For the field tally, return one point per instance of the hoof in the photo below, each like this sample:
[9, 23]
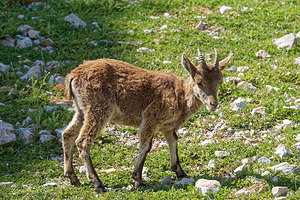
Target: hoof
[100, 189]
[73, 179]
[138, 185]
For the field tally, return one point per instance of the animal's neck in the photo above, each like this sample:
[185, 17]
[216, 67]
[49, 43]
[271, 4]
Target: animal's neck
[193, 103]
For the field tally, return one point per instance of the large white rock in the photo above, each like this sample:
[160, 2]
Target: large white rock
[279, 191]
[238, 104]
[75, 21]
[223, 9]
[204, 186]
[286, 168]
[6, 133]
[287, 41]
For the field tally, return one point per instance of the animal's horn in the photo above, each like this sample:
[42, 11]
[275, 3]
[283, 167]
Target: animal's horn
[216, 64]
[202, 61]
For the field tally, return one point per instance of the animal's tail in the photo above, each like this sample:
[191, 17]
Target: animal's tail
[68, 91]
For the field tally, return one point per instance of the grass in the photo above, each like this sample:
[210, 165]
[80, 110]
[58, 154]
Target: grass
[243, 33]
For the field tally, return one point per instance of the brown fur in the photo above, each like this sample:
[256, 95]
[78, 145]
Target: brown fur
[107, 90]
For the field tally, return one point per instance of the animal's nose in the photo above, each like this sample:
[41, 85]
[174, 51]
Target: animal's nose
[214, 104]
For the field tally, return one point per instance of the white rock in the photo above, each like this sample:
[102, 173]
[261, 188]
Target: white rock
[26, 121]
[238, 104]
[204, 186]
[24, 29]
[287, 41]
[95, 24]
[6, 133]
[163, 27]
[33, 34]
[243, 69]
[211, 164]
[45, 136]
[6, 184]
[235, 80]
[245, 161]
[223, 9]
[165, 62]
[246, 86]
[144, 49]
[7, 43]
[167, 15]
[49, 184]
[26, 135]
[275, 179]
[148, 31]
[36, 71]
[207, 142]
[297, 146]
[287, 122]
[259, 111]
[282, 151]
[222, 154]
[297, 137]
[185, 181]
[244, 192]
[232, 69]
[297, 61]
[270, 88]
[262, 54]
[24, 43]
[266, 173]
[75, 21]
[4, 67]
[82, 170]
[239, 169]
[52, 65]
[286, 168]
[279, 191]
[154, 17]
[21, 16]
[166, 180]
[200, 26]
[264, 161]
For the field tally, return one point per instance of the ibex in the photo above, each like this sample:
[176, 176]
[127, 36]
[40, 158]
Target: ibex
[108, 90]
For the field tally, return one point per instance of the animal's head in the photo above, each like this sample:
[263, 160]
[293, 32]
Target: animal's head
[207, 78]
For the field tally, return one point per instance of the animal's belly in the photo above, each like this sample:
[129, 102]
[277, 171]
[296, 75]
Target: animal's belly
[127, 120]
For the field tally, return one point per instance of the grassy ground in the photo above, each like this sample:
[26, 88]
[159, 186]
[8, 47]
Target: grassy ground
[241, 32]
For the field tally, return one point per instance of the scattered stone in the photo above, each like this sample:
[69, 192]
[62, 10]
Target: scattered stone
[166, 180]
[24, 29]
[163, 27]
[297, 61]
[282, 151]
[148, 31]
[82, 170]
[106, 171]
[75, 21]
[245, 161]
[154, 17]
[211, 164]
[246, 86]
[56, 78]
[264, 160]
[59, 131]
[270, 88]
[244, 192]
[232, 69]
[207, 142]
[6, 134]
[266, 173]
[286, 168]
[239, 170]
[262, 54]
[21, 16]
[287, 41]
[235, 80]
[243, 9]
[8, 42]
[36, 70]
[144, 49]
[45, 136]
[6, 184]
[4, 67]
[259, 111]
[25, 42]
[243, 69]
[238, 104]
[33, 34]
[224, 9]
[185, 181]
[52, 65]
[204, 186]
[297, 137]
[47, 42]
[26, 135]
[275, 179]
[222, 154]
[200, 26]
[167, 15]
[279, 191]
[297, 146]
[165, 62]
[26, 121]
[49, 184]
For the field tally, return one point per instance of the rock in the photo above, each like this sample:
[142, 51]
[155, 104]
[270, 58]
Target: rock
[232, 69]
[33, 34]
[47, 42]
[24, 29]
[75, 21]
[235, 80]
[223, 9]
[238, 104]
[297, 137]
[207, 142]
[266, 173]
[245, 161]
[143, 49]
[45, 136]
[279, 191]
[287, 41]
[270, 88]
[243, 69]
[262, 54]
[244, 192]
[49, 184]
[26, 121]
[211, 164]
[166, 180]
[52, 65]
[200, 26]
[239, 170]
[165, 62]
[222, 154]
[163, 27]
[282, 151]
[6, 133]
[21, 16]
[246, 86]
[297, 61]
[204, 186]
[148, 31]
[185, 181]
[275, 179]
[6, 184]
[59, 131]
[24, 43]
[4, 67]
[286, 168]
[26, 135]
[36, 71]
[56, 78]
[259, 111]
[82, 170]
[297, 146]
[264, 160]
[8, 42]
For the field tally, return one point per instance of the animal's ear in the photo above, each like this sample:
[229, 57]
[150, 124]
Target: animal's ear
[188, 65]
[224, 62]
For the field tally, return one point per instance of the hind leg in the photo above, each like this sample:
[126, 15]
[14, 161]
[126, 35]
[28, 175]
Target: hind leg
[68, 139]
[93, 123]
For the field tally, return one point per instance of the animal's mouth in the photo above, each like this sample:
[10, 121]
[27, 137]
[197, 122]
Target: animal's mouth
[211, 107]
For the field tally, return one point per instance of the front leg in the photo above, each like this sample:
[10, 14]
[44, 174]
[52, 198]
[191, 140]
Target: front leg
[172, 139]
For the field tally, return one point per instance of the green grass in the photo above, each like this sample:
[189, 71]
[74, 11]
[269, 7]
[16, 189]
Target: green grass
[243, 33]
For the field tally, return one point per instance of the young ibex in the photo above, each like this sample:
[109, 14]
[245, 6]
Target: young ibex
[107, 90]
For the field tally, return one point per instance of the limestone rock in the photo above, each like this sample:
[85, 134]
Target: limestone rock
[211, 164]
[166, 180]
[222, 154]
[242, 69]
[282, 151]
[286, 168]
[49, 184]
[82, 170]
[25, 42]
[144, 49]
[287, 41]
[75, 21]
[6, 134]
[36, 70]
[224, 9]
[238, 104]
[235, 80]
[262, 54]
[270, 88]
[246, 86]
[52, 65]
[297, 61]
[45, 136]
[297, 137]
[264, 160]
[33, 34]
[26, 135]
[279, 191]
[185, 181]
[297, 146]
[8, 42]
[204, 186]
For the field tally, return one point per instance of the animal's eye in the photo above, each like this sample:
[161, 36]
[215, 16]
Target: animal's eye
[199, 84]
